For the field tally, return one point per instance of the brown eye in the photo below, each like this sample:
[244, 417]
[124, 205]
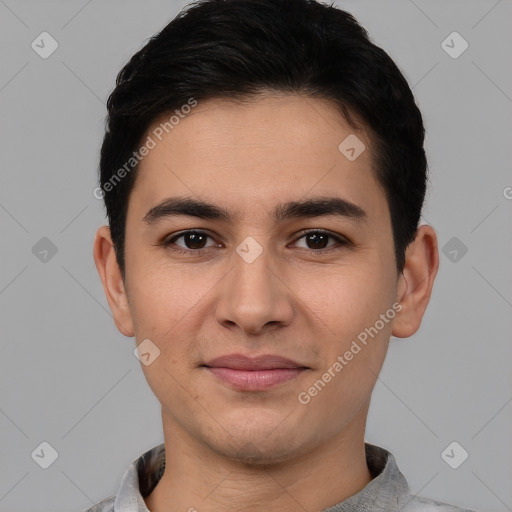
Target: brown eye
[318, 240]
[192, 241]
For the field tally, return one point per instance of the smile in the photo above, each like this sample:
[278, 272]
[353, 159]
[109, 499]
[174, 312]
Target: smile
[254, 373]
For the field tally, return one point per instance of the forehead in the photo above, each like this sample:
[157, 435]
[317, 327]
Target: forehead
[257, 153]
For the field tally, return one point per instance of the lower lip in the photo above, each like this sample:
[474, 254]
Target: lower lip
[255, 380]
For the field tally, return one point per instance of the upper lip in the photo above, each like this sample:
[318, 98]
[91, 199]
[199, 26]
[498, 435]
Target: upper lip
[264, 362]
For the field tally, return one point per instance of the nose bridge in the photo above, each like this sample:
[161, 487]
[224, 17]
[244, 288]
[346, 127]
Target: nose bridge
[251, 272]
[252, 294]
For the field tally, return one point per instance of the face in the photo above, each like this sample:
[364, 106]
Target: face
[294, 258]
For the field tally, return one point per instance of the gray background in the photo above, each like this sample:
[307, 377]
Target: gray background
[68, 377]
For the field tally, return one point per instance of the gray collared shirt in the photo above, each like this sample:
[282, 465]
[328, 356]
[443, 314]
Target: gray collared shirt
[388, 490]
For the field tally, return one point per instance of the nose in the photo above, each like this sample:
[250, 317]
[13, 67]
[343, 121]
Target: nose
[254, 296]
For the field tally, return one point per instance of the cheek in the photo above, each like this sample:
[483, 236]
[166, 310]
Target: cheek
[168, 308]
[163, 304]
[347, 300]
[163, 297]
[349, 305]
[354, 346]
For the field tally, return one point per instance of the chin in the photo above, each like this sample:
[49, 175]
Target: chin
[259, 444]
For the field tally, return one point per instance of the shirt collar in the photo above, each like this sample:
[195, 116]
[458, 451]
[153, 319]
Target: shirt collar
[139, 480]
[387, 489]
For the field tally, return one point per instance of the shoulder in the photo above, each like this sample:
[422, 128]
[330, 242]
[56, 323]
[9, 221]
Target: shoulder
[420, 504]
[107, 505]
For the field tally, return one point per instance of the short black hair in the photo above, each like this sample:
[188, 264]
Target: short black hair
[238, 49]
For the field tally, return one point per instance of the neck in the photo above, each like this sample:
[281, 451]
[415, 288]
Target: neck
[199, 479]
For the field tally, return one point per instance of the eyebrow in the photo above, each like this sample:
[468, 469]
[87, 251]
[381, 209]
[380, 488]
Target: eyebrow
[307, 208]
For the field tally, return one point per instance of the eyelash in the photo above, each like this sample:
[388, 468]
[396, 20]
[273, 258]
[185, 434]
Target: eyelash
[343, 242]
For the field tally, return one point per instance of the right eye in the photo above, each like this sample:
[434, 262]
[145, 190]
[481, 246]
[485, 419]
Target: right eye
[193, 242]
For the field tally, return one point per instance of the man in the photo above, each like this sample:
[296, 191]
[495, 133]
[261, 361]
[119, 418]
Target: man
[263, 173]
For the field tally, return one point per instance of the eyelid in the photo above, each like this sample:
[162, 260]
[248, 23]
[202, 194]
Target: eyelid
[321, 231]
[168, 240]
[340, 239]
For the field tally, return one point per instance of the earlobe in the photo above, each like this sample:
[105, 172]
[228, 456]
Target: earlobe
[416, 282]
[111, 279]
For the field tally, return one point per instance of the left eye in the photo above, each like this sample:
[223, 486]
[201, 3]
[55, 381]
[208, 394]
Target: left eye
[319, 238]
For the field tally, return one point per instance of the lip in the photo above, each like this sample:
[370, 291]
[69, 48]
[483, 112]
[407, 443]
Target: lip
[254, 373]
[263, 362]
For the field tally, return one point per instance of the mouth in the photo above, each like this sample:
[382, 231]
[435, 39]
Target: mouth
[254, 374]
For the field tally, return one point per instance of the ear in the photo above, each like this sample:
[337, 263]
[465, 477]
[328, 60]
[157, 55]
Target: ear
[416, 281]
[111, 278]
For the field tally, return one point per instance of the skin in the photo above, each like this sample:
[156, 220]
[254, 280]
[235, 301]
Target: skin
[231, 450]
